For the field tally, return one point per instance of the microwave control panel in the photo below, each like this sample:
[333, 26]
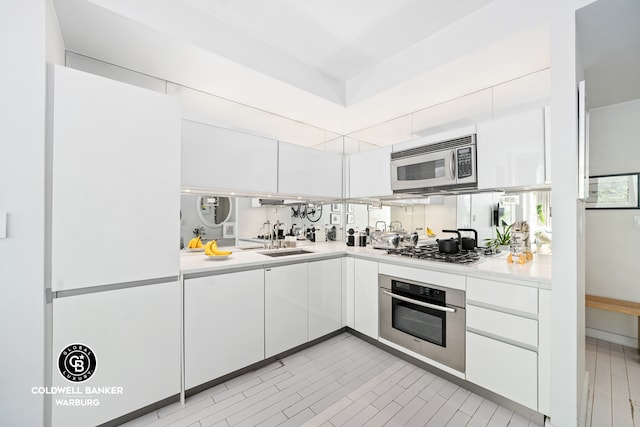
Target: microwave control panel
[465, 164]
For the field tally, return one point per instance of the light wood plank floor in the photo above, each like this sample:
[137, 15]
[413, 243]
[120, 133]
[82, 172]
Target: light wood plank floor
[614, 384]
[341, 381]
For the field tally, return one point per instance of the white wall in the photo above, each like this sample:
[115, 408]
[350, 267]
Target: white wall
[613, 272]
[567, 308]
[613, 139]
[55, 44]
[22, 178]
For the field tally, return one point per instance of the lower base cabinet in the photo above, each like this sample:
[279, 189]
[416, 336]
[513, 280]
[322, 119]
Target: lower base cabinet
[544, 352]
[223, 324]
[365, 310]
[134, 334]
[325, 297]
[285, 308]
[503, 368]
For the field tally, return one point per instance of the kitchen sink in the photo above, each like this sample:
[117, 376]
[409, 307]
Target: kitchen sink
[278, 253]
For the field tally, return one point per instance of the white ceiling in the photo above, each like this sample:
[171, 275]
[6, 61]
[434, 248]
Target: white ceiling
[340, 66]
[609, 43]
[338, 38]
[318, 46]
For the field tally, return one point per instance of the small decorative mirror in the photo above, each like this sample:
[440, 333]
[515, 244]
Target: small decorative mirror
[213, 211]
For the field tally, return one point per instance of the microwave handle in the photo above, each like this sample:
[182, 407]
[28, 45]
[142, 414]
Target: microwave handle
[452, 165]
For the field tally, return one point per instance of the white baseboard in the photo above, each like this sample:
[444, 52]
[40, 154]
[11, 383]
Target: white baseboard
[611, 337]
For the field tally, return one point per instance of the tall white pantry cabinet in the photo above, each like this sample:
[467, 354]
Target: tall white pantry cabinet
[113, 203]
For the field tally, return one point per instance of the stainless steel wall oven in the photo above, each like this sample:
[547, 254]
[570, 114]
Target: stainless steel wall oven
[424, 318]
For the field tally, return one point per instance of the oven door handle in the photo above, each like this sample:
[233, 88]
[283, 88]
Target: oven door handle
[420, 303]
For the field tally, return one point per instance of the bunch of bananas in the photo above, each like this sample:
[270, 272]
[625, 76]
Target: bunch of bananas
[430, 232]
[195, 243]
[211, 249]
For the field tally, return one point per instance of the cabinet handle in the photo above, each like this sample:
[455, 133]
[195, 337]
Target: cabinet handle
[420, 303]
[268, 269]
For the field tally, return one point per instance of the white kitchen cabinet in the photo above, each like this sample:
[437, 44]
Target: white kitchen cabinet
[285, 308]
[223, 159]
[511, 151]
[366, 297]
[324, 296]
[503, 368]
[135, 336]
[223, 324]
[503, 338]
[513, 297]
[348, 297]
[510, 327]
[370, 173]
[544, 352]
[115, 191]
[308, 172]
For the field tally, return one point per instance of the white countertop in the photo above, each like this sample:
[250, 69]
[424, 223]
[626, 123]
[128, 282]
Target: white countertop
[494, 267]
[198, 262]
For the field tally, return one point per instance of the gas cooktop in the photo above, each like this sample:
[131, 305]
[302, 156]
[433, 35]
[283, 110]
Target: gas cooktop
[432, 253]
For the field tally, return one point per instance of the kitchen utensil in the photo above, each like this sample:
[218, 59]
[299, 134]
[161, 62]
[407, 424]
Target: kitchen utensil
[449, 246]
[469, 244]
[408, 239]
[381, 225]
[351, 240]
[311, 234]
[384, 240]
[331, 232]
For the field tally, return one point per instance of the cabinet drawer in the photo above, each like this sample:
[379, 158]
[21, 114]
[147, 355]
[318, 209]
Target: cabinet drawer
[514, 328]
[425, 276]
[509, 296]
[504, 369]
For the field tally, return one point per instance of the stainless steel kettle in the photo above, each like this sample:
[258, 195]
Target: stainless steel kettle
[384, 240]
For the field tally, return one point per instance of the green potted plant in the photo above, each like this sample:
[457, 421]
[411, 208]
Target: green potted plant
[502, 239]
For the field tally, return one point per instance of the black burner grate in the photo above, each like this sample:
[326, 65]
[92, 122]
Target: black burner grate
[432, 253]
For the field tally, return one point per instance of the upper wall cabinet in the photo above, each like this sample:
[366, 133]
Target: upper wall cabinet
[115, 152]
[222, 159]
[370, 173]
[511, 151]
[307, 172]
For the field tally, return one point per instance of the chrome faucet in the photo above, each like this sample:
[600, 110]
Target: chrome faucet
[275, 242]
[266, 233]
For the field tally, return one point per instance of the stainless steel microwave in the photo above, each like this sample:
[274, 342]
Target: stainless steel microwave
[447, 165]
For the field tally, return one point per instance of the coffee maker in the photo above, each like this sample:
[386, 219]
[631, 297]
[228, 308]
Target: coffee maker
[351, 238]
